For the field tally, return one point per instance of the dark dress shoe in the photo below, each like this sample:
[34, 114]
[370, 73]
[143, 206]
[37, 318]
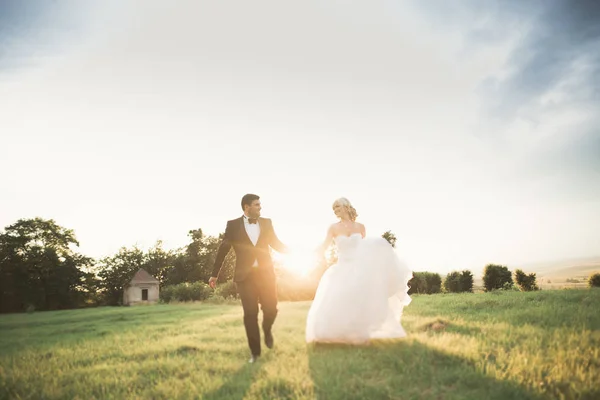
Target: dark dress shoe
[269, 339]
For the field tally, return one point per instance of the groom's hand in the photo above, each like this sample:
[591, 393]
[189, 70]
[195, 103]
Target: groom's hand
[212, 282]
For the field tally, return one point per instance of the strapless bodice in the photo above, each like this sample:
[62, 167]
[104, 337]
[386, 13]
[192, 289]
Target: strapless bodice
[347, 245]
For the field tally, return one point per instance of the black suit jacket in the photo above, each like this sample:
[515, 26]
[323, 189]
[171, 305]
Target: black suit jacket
[245, 252]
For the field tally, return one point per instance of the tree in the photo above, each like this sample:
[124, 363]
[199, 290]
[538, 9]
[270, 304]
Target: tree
[190, 264]
[117, 271]
[496, 277]
[159, 262]
[452, 282]
[207, 260]
[390, 237]
[195, 262]
[466, 281]
[526, 282]
[594, 280]
[425, 283]
[458, 282]
[39, 267]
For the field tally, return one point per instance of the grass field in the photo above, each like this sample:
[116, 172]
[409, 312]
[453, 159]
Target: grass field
[504, 345]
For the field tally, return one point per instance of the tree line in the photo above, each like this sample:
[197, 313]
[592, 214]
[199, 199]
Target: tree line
[495, 277]
[41, 269]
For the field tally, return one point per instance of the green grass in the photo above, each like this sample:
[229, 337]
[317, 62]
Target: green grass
[505, 345]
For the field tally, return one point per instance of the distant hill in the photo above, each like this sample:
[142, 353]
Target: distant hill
[564, 268]
[558, 274]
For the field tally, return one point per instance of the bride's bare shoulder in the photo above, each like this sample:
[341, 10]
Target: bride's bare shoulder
[362, 229]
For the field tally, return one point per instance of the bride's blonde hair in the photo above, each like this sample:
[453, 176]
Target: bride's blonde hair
[344, 202]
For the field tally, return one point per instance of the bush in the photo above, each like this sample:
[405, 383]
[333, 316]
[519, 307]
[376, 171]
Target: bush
[496, 277]
[199, 291]
[196, 291]
[458, 282]
[166, 294]
[526, 283]
[466, 281]
[452, 282]
[227, 290]
[425, 283]
[594, 280]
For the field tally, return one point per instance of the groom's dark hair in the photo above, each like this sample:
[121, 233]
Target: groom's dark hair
[248, 199]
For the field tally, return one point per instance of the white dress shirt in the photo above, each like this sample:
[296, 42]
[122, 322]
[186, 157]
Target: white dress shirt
[253, 231]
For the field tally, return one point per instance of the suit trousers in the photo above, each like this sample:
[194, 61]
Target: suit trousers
[256, 289]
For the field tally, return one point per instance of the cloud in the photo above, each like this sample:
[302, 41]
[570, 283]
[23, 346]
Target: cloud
[33, 29]
[538, 106]
[554, 85]
[556, 48]
[559, 55]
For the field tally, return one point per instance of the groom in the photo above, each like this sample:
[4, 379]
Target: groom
[251, 238]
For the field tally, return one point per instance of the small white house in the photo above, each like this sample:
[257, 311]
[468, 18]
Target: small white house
[143, 289]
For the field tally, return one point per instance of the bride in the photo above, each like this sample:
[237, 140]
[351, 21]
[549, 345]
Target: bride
[362, 296]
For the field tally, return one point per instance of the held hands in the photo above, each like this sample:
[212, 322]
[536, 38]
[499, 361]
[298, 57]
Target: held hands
[320, 254]
[212, 282]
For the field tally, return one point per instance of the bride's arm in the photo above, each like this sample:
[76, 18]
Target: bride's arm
[363, 231]
[327, 242]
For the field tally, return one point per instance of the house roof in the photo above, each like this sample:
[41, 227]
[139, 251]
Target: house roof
[142, 276]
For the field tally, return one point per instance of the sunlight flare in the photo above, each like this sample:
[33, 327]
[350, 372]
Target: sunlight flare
[301, 260]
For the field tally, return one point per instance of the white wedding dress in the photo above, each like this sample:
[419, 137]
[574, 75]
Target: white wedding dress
[362, 296]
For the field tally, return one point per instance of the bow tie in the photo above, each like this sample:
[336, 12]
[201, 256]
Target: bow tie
[252, 220]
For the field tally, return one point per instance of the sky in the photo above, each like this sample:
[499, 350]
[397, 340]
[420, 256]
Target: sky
[470, 130]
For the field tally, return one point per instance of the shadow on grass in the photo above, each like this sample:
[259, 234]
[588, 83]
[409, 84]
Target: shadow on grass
[235, 385]
[402, 370]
